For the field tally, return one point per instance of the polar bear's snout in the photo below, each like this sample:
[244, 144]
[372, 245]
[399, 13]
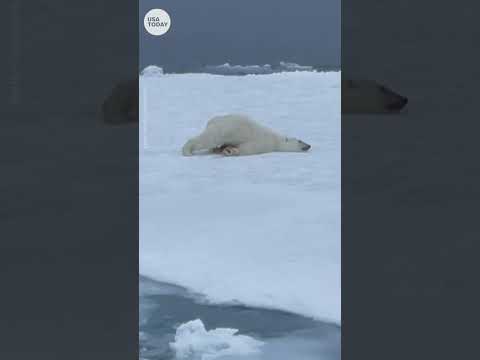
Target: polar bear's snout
[304, 146]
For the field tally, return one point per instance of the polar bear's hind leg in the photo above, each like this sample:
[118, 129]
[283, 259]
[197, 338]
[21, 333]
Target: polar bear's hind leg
[219, 149]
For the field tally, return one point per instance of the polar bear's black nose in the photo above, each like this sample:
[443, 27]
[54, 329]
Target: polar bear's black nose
[303, 146]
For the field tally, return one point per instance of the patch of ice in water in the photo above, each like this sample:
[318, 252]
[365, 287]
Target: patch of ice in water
[194, 342]
[227, 69]
[288, 66]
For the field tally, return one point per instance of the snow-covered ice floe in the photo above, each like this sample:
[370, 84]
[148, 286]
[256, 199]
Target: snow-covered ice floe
[289, 66]
[193, 341]
[261, 230]
[152, 70]
[228, 69]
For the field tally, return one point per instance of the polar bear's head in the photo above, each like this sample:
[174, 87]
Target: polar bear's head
[366, 96]
[289, 144]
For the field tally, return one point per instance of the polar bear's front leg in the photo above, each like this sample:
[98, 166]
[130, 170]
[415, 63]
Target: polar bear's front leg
[230, 151]
[188, 148]
[204, 141]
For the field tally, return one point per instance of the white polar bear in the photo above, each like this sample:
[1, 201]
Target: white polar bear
[239, 135]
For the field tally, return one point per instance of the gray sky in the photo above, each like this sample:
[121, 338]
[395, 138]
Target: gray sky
[210, 32]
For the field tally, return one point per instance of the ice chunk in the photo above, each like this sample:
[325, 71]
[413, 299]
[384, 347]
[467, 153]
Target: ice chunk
[152, 70]
[194, 342]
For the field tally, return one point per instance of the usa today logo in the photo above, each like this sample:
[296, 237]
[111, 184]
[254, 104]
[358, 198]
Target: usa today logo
[157, 22]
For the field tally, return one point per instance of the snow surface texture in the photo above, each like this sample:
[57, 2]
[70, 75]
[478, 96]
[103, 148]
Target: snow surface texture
[260, 230]
[194, 342]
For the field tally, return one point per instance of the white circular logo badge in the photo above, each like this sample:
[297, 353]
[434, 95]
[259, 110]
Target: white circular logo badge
[157, 22]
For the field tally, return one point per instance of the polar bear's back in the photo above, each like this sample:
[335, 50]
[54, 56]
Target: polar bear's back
[231, 120]
[236, 129]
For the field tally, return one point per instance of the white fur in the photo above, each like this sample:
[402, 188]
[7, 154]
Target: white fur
[243, 134]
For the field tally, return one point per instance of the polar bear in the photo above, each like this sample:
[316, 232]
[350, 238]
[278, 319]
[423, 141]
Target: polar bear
[369, 97]
[235, 134]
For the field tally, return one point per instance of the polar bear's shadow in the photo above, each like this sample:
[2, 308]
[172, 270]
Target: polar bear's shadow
[207, 153]
[210, 152]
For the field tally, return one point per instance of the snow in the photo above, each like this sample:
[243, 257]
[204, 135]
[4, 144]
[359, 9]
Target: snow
[259, 230]
[194, 342]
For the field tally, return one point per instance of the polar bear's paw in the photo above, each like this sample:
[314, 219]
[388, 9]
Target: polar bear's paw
[230, 151]
[218, 149]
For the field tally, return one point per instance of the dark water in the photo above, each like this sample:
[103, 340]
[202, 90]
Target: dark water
[286, 336]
